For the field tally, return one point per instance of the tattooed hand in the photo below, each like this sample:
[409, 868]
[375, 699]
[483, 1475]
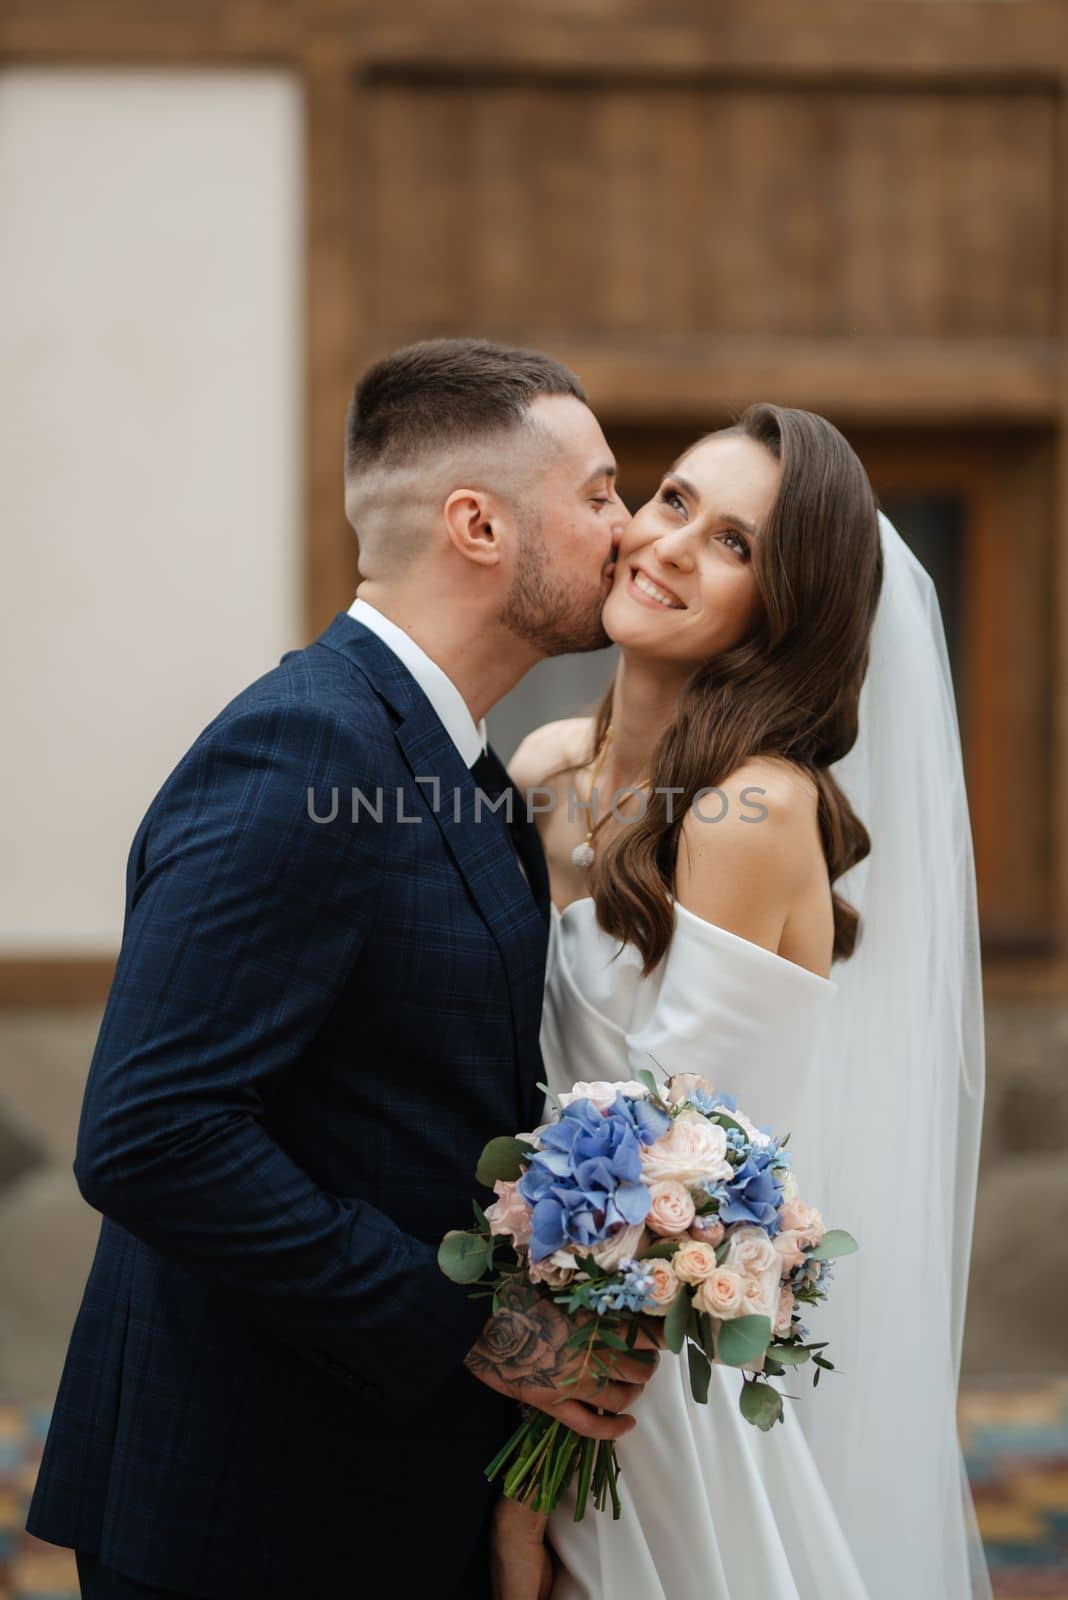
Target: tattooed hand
[523, 1352]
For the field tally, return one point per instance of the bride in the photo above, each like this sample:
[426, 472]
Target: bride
[761, 870]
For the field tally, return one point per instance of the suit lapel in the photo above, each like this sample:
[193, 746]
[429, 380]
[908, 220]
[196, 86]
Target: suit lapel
[478, 843]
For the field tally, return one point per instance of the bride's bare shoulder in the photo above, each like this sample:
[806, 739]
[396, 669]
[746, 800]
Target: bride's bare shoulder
[554, 747]
[764, 789]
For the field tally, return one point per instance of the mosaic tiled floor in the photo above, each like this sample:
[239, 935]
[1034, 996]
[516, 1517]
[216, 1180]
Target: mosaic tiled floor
[1014, 1435]
[1015, 1440]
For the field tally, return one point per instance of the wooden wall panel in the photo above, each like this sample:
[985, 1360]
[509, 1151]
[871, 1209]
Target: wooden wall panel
[877, 40]
[607, 211]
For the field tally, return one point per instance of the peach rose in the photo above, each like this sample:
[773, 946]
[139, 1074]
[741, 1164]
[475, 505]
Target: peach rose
[694, 1262]
[804, 1220]
[692, 1151]
[707, 1230]
[618, 1247]
[788, 1248]
[665, 1286]
[750, 1251]
[722, 1294]
[602, 1094]
[509, 1215]
[684, 1085]
[671, 1209]
[556, 1271]
[760, 1297]
[752, 1255]
[784, 1314]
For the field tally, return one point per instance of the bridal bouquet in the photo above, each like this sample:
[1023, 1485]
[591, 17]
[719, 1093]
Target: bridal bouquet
[630, 1203]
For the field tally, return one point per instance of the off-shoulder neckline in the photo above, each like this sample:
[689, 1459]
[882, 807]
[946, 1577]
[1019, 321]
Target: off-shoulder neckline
[712, 931]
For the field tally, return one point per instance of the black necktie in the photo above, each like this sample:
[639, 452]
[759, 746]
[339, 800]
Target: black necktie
[491, 776]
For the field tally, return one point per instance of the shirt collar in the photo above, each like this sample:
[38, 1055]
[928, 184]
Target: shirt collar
[444, 696]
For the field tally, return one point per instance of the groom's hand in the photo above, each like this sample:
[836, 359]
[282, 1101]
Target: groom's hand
[523, 1351]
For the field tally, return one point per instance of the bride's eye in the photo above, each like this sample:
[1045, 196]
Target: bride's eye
[670, 496]
[743, 548]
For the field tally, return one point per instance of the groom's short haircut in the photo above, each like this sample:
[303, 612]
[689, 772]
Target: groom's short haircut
[441, 393]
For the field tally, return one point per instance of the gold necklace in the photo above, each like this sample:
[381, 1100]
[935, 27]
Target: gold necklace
[584, 855]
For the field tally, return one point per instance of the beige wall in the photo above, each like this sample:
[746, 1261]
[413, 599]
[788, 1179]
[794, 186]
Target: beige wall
[150, 451]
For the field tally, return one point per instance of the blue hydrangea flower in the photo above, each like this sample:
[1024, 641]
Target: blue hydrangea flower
[753, 1193]
[647, 1120]
[586, 1177]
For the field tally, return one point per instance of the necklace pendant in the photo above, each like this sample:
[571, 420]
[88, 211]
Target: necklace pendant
[583, 854]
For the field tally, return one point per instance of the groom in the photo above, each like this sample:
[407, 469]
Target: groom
[327, 999]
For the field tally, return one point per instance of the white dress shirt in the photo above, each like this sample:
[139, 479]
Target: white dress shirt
[438, 687]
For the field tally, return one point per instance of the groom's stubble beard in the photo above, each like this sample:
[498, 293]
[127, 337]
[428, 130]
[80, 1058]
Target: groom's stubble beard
[541, 608]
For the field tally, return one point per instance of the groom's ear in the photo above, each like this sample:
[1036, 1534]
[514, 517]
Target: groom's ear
[475, 523]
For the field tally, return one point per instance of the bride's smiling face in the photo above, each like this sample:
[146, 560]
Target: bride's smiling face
[684, 587]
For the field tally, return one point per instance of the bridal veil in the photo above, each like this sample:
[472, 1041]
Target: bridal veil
[887, 1142]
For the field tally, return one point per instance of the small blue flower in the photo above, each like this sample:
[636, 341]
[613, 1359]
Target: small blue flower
[707, 1103]
[632, 1290]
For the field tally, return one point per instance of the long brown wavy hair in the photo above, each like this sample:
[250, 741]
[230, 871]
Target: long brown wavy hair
[791, 689]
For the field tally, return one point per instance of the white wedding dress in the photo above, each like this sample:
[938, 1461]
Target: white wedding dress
[713, 1508]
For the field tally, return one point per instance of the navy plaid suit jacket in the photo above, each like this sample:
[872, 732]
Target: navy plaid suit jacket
[313, 1028]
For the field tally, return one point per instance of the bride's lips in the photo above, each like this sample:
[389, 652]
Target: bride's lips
[650, 600]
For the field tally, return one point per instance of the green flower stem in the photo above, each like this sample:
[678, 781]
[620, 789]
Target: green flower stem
[506, 1450]
[589, 1452]
[531, 1458]
[541, 1458]
[613, 1481]
[565, 1456]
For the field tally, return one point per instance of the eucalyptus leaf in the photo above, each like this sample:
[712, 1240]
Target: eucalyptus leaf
[501, 1159]
[462, 1256]
[726, 1121]
[646, 1077]
[791, 1355]
[675, 1322]
[700, 1373]
[743, 1339]
[706, 1329]
[835, 1242]
[759, 1403]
